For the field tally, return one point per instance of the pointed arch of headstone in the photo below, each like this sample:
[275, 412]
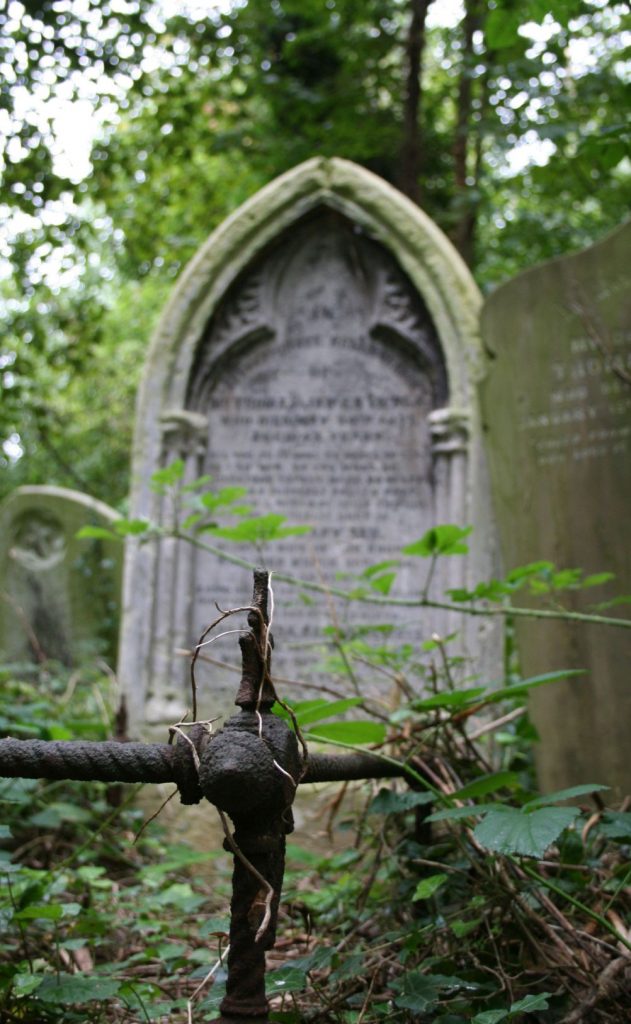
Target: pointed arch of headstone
[423, 251]
[172, 424]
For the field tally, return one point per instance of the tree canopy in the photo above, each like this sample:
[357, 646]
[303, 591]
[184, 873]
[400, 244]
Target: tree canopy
[506, 125]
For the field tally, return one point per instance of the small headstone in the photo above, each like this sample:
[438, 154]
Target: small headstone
[557, 410]
[59, 596]
[321, 350]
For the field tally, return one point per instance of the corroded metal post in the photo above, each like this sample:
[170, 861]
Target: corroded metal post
[249, 770]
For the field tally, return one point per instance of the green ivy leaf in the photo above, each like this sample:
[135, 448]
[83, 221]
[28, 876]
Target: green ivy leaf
[511, 830]
[350, 732]
[202, 481]
[428, 886]
[167, 477]
[383, 584]
[487, 784]
[191, 520]
[326, 709]
[259, 529]
[59, 812]
[420, 992]
[24, 984]
[440, 540]
[95, 533]
[286, 979]
[597, 579]
[389, 802]
[616, 825]
[416, 992]
[530, 1004]
[522, 689]
[523, 572]
[76, 988]
[45, 912]
[453, 699]
[463, 928]
[490, 1017]
[226, 496]
[564, 794]
[131, 527]
[378, 568]
[614, 602]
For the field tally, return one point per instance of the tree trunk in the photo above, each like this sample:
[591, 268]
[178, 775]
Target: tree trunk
[412, 147]
[467, 143]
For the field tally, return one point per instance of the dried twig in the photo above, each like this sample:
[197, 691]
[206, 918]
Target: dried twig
[202, 642]
[153, 817]
[269, 892]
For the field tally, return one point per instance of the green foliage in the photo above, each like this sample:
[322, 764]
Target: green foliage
[193, 115]
[94, 927]
[429, 886]
[440, 540]
[445, 915]
[536, 578]
[442, 874]
[258, 530]
[69, 366]
[309, 714]
[349, 733]
[512, 830]
[199, 508]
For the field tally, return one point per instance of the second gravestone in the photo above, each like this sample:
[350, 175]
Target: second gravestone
[59, 595]
[322, 351]
[557, 405]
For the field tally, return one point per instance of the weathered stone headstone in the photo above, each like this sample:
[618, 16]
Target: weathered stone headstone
[321, 350]
[59, 596]
[557, 408]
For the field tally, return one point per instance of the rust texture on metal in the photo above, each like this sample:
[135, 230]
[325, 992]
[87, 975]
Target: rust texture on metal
[249, 770]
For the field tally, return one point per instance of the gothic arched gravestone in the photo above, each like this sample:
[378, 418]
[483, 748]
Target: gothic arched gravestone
[321, 350]
[59, 595]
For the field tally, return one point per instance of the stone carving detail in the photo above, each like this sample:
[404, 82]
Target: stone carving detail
[38, 541]
[325, 276]
[59, 595]
[317, 377]
[317, 351]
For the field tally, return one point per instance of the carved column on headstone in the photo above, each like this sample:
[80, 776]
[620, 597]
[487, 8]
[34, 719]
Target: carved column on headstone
[450, 430]
[184, 436]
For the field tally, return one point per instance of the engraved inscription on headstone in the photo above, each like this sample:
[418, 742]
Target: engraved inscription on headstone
[321, 351]
[557, 407]
[59, 596]
[318, 392]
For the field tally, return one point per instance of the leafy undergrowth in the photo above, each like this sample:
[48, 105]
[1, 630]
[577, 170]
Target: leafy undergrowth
[94, 926]
[461, 898]
[419, 922]
[465, 897]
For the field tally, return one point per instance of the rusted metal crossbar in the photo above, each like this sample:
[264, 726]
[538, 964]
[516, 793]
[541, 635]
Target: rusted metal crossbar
[249, 770]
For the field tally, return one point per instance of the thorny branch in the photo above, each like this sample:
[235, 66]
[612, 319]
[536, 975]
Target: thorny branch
[463, 609]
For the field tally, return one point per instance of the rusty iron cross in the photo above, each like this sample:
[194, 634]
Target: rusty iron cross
[249, 770]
